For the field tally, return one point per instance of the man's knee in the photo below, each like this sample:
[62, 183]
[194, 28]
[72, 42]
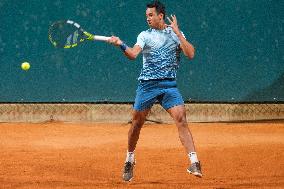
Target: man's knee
[180, 119]
[137, 123]
[178, 114]
[138, 118]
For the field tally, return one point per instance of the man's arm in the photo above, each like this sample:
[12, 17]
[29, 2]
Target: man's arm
[186, 47]
[129, 52]
[132, 53]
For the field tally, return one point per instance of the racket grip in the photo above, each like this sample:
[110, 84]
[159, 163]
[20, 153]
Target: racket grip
[101, 38]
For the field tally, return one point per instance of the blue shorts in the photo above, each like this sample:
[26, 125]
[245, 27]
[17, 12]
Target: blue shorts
[164, 91]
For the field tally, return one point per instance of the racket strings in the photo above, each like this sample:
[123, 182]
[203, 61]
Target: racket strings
[65, 35]
[72, 39]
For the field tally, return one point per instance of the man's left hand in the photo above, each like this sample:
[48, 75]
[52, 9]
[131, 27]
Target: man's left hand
[174, 25]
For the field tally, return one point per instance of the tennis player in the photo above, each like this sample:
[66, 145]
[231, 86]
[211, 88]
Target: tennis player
[160, 45]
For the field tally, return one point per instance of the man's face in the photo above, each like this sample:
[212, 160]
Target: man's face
[153, 19]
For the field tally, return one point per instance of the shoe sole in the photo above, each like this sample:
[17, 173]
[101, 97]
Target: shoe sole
[195, 173]
[128, 180]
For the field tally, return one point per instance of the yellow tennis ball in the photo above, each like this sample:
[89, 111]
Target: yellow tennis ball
[25, 66]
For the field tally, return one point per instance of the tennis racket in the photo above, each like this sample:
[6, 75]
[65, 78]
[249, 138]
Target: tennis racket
[68, 34]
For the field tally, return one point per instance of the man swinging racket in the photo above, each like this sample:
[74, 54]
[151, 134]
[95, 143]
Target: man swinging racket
[160, 45]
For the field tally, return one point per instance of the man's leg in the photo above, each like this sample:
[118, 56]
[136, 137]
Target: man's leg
[179, 116]
[138, 119]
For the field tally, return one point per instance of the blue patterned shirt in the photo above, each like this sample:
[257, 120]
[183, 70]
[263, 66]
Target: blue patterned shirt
[161, 53]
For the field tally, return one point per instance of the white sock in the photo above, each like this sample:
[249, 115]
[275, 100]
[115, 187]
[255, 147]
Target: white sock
[130, 157]
[193, 157]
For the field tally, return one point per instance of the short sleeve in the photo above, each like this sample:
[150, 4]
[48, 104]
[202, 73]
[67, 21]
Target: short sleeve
[141, 40]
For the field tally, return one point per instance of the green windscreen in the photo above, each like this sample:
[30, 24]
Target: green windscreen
[239, 51]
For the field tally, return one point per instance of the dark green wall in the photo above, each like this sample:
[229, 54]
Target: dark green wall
[239, 50]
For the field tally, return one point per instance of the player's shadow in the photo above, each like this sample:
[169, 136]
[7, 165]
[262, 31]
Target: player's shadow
[272, 93]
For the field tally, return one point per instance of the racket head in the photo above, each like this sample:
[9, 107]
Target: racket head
[67, 34]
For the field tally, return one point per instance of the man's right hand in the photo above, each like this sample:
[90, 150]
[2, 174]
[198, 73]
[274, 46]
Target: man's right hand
[115, 41]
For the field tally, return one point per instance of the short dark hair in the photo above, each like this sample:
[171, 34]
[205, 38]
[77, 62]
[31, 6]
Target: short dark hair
[160, 7]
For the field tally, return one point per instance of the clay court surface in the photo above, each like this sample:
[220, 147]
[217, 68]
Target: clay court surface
[71, 155]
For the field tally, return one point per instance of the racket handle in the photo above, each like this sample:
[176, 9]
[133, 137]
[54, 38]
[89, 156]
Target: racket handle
[101, 38]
